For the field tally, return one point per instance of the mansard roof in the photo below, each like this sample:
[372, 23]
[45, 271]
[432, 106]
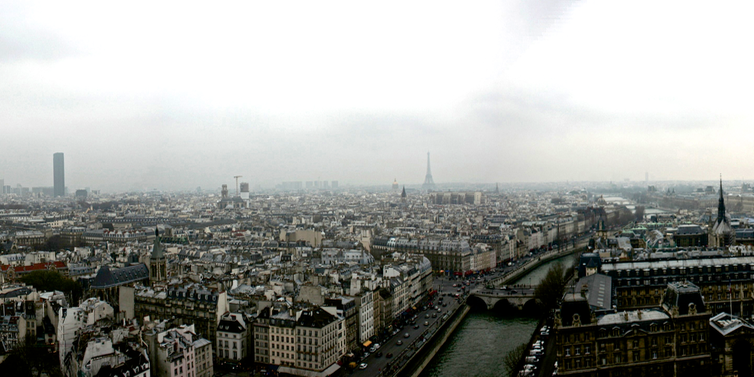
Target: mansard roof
[107, 277]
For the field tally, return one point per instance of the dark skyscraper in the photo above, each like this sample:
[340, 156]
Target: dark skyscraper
[59, 174]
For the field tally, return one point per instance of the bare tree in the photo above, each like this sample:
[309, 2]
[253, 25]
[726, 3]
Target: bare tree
[512, 359]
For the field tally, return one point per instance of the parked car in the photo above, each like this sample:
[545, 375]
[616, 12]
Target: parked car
[389, 355]
[363, 366]
[400, 343]
[406, 335]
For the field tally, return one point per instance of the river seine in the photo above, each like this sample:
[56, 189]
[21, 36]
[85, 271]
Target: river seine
[480, 343]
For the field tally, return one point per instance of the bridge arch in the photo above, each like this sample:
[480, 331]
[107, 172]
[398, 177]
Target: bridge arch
[477, 302]
[532, 306]
[505, 306]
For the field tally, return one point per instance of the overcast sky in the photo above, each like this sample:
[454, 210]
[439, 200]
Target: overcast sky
[142, 95]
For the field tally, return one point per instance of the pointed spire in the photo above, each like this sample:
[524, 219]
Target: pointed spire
[157, 252]
[721, 204]
[721, 186]
[403, 194]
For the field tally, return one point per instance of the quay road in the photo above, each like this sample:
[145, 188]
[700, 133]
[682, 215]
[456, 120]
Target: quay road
[526, 264]
[416, 336]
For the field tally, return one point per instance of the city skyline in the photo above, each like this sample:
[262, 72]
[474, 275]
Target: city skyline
[497, 92]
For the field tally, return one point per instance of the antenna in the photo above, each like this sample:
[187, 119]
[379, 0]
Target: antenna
[236, 177]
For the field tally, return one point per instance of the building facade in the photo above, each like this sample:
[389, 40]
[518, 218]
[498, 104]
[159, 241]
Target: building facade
[668, 340]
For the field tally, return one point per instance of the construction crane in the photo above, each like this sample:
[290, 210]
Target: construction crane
[236, 177]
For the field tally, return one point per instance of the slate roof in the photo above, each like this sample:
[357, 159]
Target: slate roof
[317, 318]
[682, 295]
[599, 290]
[689, 229]
[107, 277]
[21, 291]
[227, 325]
[725, 323]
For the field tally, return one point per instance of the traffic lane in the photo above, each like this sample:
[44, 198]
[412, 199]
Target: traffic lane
[376, 364]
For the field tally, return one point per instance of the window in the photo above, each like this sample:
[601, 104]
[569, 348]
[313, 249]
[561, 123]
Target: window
[568, 351]
[577, 350]
[586, 350]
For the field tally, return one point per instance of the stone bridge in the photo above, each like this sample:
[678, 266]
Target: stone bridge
[518, 297]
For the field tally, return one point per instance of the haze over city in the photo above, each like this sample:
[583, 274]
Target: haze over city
[174, 96]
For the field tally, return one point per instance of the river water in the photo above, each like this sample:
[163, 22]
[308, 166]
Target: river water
[481, 341]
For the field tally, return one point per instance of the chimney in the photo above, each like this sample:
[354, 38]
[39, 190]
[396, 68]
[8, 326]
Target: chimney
[639, 313]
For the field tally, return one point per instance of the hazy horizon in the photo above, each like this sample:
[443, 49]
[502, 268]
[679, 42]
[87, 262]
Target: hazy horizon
[175, 96]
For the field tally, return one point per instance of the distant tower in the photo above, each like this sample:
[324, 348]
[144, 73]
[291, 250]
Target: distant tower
[429, 183]
[722, 233]
[59, 174]
[244, 190]
[403, 194]
[157, 263]
[236, 177]
[224, 192]
[395, 185]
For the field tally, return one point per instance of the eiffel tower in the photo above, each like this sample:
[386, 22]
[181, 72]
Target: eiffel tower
[429, 183]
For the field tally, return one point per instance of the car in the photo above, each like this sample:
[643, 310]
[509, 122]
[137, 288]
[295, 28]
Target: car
[363, 366]
[444, 304]
[406, 335]
[378, 354]
[426, 323]
[426, 315]
[389, 355]
[416, 326]
[400, 343]
[434, 315]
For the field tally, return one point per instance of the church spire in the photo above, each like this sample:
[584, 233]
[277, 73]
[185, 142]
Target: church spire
[721, 204]
[157, 252]
[157, 262]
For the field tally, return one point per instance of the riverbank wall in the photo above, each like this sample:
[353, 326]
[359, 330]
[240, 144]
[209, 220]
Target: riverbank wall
[429, 349]
[533, 264]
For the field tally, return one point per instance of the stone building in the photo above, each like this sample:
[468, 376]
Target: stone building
[730, 340]
[667, 340]
[725, 281]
